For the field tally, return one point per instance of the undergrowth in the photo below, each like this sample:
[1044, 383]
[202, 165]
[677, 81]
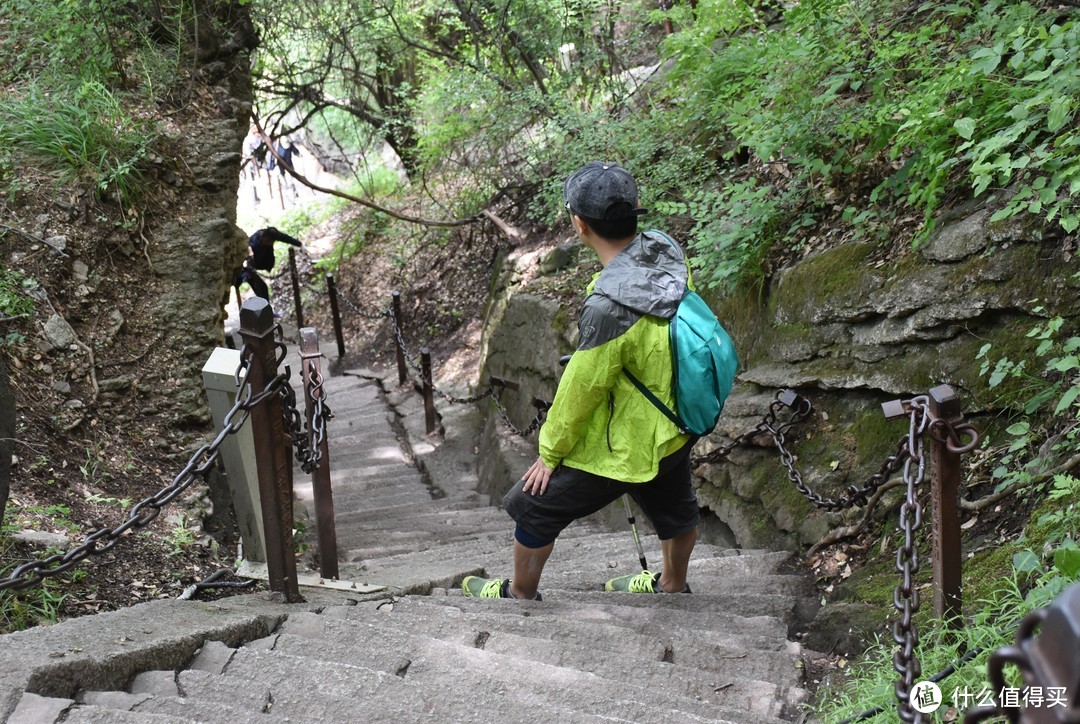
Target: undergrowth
[1033, 584]
[864, 112]
[1034, 462]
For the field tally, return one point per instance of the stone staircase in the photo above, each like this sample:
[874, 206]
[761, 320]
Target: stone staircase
[410, 521]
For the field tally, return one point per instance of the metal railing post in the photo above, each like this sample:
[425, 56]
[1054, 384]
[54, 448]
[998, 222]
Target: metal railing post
[320, 476]
[429, 388]
[944, 485]
[395, 310]
[296, 288]
[272, 448]
[335, 312]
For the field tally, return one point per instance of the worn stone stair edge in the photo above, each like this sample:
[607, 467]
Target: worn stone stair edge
[104, 651]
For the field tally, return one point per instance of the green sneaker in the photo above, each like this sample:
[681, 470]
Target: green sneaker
[644, 582]
[476, 587]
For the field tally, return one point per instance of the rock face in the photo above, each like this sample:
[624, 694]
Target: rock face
[194, 258]
[849, 328]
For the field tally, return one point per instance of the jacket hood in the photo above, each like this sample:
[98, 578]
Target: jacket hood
[649, 276]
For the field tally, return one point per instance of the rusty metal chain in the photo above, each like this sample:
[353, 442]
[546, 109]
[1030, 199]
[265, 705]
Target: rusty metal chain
[360, 313]
[307, 457]
[321, 412]
[800, 407]
[951, 434]
[906, 595]
[411, 361]
[144, 512]
[541, 412]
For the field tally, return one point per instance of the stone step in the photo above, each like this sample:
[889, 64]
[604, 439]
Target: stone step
[315, 638]
[434, 516]
[743, 583]
[423, 690]
[433, 664]
[359, 503]
[101, 715]
[616, 627]
[314, 678]
[202, 710]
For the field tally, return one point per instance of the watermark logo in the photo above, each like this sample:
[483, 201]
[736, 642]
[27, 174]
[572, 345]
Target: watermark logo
[925, 697]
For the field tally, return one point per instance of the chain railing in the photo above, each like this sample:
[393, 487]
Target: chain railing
[935, 415]
[144, 512]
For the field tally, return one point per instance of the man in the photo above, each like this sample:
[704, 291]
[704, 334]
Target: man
[261, 246]
[603, 438]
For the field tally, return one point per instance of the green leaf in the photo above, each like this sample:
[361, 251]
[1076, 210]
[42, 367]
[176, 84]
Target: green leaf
[1065, 364]
[1067, 559]
[1067, 399]
[1060, 113]
[986, 60]
[1070, 223]
[1025, 562]
[1038, 75]
[1019, 428]
[965, 127]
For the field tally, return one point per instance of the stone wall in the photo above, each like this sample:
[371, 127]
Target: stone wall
[849, 328]
[195, 255]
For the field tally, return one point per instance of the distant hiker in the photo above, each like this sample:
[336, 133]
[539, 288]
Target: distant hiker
[603, 437]
[261, 246]
[286, 150]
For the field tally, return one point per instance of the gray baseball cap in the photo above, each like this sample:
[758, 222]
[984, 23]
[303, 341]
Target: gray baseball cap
[601, 190]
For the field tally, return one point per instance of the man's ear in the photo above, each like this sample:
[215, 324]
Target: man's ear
[580, 225]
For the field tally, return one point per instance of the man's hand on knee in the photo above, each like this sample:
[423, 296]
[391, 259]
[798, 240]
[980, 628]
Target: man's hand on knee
[536, 479]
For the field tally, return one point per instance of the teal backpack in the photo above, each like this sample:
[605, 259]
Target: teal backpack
[703, 364]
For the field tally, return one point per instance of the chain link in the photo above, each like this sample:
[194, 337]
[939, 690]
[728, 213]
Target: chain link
[321, 413]
[906, 595]
[145, 511]
[533, 426]
[800, 407]
[386, 312]
[411, 361]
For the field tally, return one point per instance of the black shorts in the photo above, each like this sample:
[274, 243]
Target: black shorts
[667, 500]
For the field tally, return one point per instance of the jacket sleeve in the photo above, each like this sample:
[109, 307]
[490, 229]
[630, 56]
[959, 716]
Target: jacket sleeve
[276, 235]
[585, 386]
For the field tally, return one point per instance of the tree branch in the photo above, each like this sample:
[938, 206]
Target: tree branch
[983, 503]
[356, 199]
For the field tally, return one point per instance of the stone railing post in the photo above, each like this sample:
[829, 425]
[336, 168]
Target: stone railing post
[237, 450]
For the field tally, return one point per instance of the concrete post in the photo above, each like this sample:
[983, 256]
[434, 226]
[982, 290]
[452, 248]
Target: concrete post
[237, 450]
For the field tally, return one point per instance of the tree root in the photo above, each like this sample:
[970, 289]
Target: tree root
[32, 237]
[847, 531]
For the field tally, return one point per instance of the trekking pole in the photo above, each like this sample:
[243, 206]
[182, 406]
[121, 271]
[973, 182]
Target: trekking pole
[633, 531]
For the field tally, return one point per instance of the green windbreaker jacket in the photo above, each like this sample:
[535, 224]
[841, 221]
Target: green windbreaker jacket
[599, 422]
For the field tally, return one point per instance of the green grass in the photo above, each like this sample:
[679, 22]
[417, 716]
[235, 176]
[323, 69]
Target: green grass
[1044, 562]
[991, 627]
[82, 132]
[42, 602]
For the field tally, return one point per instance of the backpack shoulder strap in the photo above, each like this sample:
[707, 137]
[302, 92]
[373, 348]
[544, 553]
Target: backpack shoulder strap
[656, 402]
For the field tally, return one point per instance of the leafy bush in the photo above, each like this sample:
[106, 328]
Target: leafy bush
[868, 108]
[1033, 584]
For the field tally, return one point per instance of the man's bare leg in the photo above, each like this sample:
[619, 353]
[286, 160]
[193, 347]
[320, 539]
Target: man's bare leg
[528, 565]
[676, 552]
